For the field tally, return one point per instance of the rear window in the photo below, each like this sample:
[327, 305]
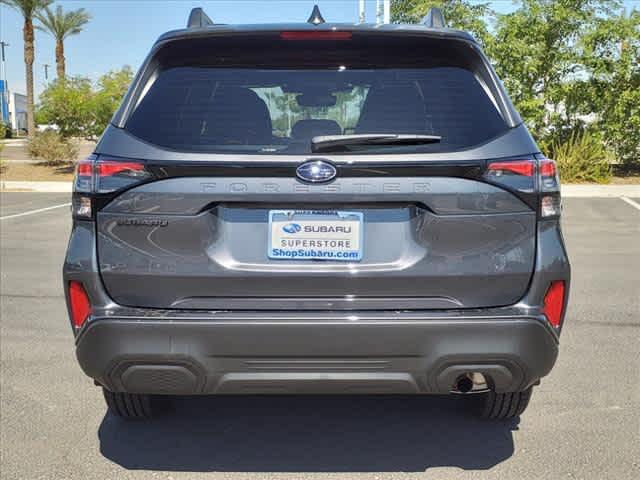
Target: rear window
[208, 98]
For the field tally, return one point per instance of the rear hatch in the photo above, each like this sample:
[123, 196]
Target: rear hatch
[279, 170]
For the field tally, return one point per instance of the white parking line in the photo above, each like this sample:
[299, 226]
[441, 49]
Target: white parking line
[32, 212]
[631, 202]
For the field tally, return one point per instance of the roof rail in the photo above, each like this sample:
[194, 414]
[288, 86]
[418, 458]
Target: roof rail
[434, 18]
[198, 19]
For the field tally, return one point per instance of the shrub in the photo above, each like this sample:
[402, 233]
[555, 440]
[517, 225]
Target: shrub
[583, 157]
[50, 147]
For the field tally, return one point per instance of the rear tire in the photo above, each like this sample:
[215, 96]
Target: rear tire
[131, 406]
[503, 406]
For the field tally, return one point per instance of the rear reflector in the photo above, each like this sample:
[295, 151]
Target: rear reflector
[315, 35]
[80, 304]
[554, 302]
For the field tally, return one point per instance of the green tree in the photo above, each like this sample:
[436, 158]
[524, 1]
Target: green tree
[81, 109]
[28, 9]
[612, 63]
[569, 65]
[67, 103]
[460, 14]
[62, 25]
[537, 51]
[111, 89]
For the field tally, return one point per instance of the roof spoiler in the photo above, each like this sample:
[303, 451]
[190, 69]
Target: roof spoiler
[434, 18]
[198, 19]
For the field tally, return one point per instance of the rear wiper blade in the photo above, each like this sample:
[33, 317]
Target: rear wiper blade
[338, 142]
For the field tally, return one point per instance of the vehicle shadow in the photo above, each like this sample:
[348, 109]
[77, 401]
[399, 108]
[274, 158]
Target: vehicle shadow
[309, 434]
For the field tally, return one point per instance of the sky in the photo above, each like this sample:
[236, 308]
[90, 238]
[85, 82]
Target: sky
[121, 32]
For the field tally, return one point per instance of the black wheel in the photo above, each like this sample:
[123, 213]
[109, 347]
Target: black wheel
[128, 405]
[502, 406]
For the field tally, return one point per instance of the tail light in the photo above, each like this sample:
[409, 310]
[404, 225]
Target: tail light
[554, 303]
[524, 168]
[524, 176]
[514, 174]
[549, 181]
[96, 175]
[79, 304]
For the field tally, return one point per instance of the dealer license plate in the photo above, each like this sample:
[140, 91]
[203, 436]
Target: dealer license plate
[315, 235]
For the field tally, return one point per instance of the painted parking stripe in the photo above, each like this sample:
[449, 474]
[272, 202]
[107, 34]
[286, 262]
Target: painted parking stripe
[631, 202]
[33, 212]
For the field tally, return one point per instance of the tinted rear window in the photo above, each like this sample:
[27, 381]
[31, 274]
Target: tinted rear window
[277, 102]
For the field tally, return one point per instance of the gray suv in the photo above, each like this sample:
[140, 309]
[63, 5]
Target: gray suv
[316, 208]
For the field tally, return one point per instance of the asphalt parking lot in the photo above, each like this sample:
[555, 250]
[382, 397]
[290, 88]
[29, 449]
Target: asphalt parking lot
[583, 421]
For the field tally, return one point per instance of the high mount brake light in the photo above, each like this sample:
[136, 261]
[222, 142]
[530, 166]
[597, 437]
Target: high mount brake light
[315, 35]
[79, 303]
[554, 303]
[96, 175]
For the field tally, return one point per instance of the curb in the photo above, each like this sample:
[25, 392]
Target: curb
[48, 187]
[568, 191]
[600, 191]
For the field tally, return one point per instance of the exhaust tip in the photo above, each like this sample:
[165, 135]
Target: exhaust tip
[472, 382]
[464, 384]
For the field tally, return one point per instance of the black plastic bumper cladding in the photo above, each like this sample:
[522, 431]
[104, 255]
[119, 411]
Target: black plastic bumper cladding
[314, 353]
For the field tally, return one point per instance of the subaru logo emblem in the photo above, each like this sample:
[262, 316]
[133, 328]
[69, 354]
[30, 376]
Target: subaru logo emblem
[316, 171]
[292, 228]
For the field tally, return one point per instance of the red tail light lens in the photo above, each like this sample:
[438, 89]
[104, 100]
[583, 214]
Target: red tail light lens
[547, 168]
[514, 174]
[517, 167]
[549, 179]
[80, 304]
[315, 35]
[554, 303]
[112, 175]
[83, 181]
[109, 168]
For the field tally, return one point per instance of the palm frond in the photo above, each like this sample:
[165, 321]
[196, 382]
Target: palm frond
[28, 8]
[61, 24]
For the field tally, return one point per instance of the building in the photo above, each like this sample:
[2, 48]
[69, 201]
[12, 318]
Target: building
[13, 108]
[18, 111]
[4, 103]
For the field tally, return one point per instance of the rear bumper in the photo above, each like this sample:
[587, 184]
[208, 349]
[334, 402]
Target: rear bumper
[307, 352]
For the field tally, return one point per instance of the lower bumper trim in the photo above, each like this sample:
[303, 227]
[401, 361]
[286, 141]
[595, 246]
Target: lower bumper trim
[252, 357]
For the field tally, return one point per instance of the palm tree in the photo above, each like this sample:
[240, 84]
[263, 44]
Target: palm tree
[28, 9]
[62, 25]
